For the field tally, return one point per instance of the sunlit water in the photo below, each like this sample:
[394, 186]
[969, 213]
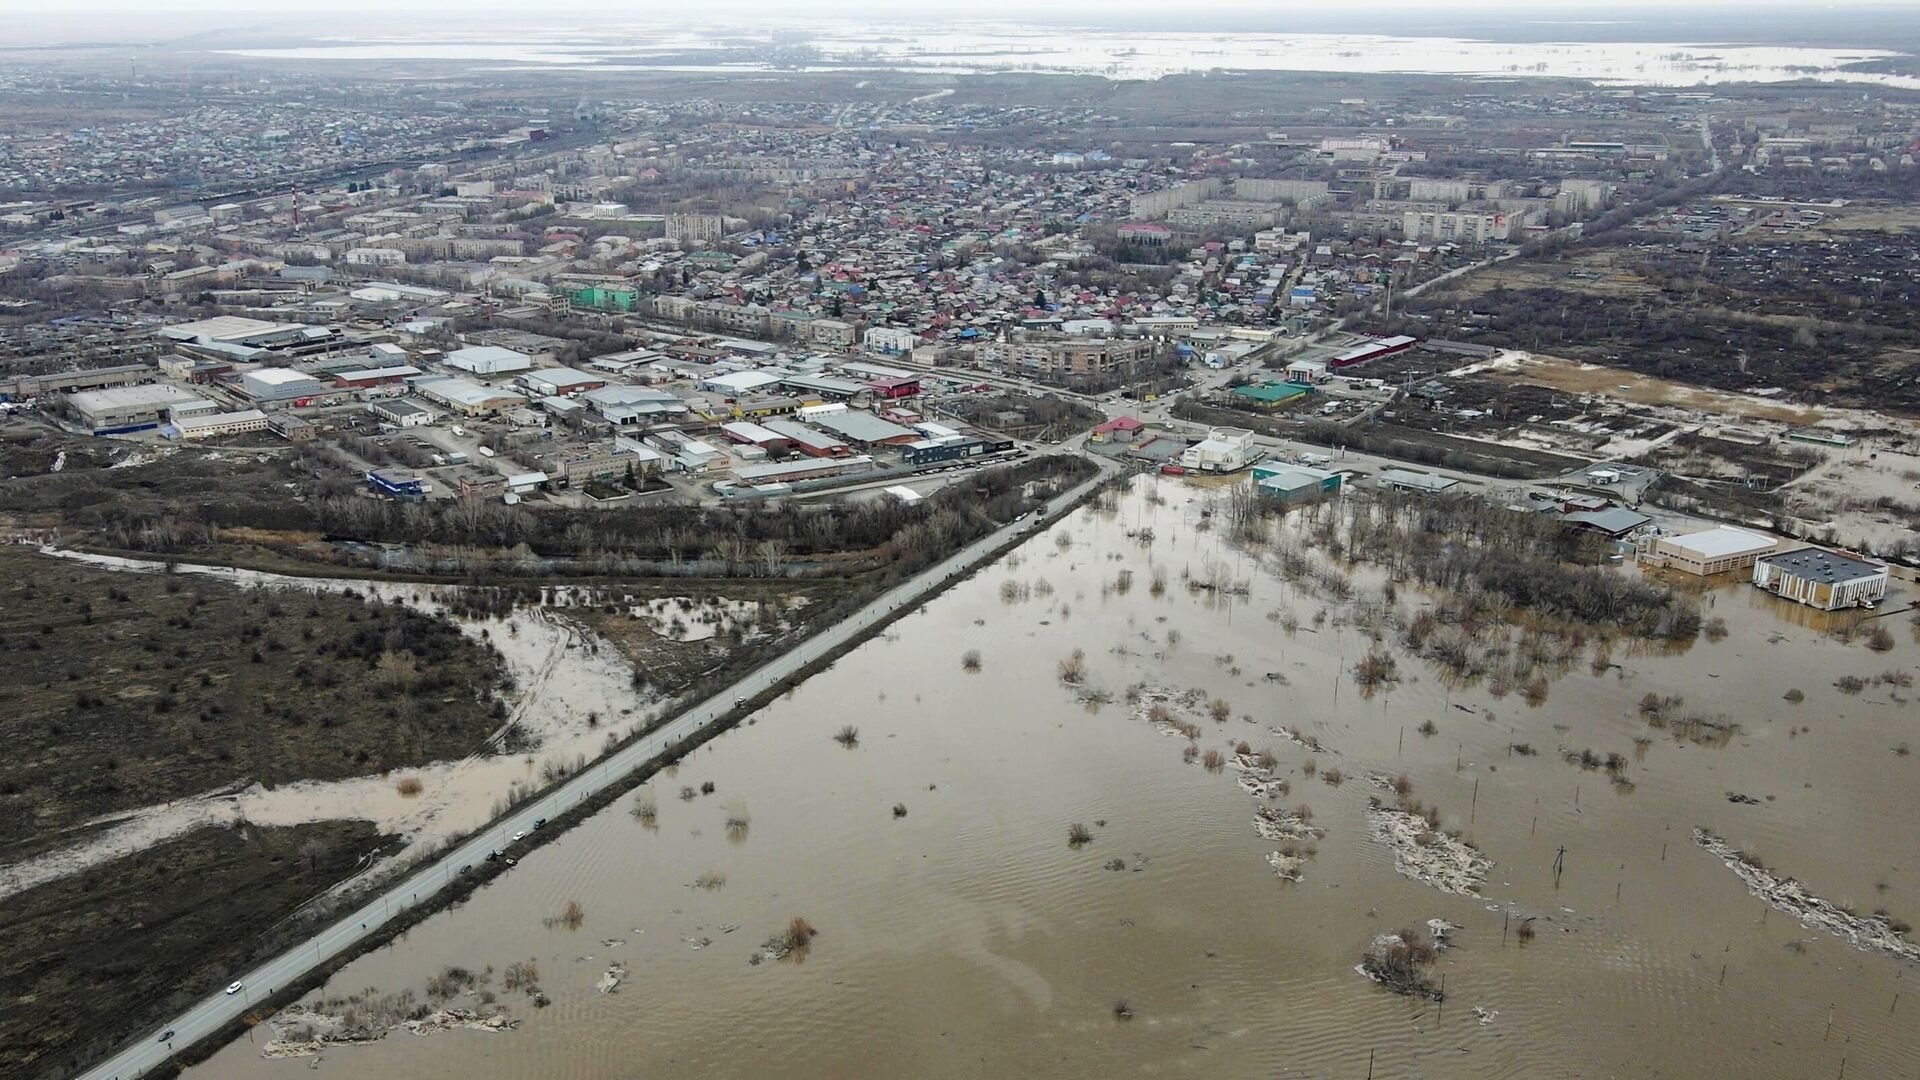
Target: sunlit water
[981, 48]
[968, 940]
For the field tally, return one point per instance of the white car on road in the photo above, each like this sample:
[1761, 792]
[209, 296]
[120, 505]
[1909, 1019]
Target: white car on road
[233, 988]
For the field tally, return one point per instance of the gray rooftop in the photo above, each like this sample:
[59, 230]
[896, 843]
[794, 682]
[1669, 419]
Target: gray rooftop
[1823, 565]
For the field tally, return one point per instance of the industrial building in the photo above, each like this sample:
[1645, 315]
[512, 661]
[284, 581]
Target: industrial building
[811, 441]
[401, 413]
[560, 382]
[274, 385]
[467, 398]
[1372, 350]
[864, 428]
[209, 425]
[367, 378]
[787, 472]
[121, 409]
[1822, 578]
[488, 360]
[1419, 482]
[233, 330]
[1710, 551]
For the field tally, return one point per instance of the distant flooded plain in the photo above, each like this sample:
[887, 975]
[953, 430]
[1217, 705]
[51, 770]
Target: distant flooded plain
[958, 932]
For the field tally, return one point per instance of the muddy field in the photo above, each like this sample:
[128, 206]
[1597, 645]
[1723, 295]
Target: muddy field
[1143, 801]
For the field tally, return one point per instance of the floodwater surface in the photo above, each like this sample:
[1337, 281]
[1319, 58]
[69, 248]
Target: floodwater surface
[968, 938]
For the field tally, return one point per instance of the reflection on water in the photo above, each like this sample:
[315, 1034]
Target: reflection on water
[959, 934]
[979, 48]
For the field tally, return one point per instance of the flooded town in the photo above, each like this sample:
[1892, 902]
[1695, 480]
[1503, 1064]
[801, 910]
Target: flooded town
[1294, 544]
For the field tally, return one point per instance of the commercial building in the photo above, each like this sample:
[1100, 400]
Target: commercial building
[1822, 578]
[395, 485]
[1285, 483]
[1120, 429]
[121, 409]
[938, 451]
[1269, 396]
[1612, 522]
[488, 360]
[1422, 483]
[1223, 450]
[1710, 551]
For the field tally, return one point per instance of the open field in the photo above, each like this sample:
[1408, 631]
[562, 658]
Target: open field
[123, 690]
[1817, 316]
[85, 958]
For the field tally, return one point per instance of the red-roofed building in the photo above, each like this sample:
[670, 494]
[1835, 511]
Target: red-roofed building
[1123, 429]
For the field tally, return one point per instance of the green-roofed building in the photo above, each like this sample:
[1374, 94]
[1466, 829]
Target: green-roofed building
[1270, 395]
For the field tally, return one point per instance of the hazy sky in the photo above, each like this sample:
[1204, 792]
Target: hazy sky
[30, 22]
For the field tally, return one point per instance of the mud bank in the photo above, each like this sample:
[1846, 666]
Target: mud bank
[1400, 960]
[1869, 933]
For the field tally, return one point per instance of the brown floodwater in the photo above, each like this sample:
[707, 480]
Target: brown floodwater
[968, 939]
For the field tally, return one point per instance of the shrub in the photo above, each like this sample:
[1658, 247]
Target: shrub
[1880, 640]
[848, 736]
[1078, 834]
[970, 660]
[1073, 670]
[1213, 760]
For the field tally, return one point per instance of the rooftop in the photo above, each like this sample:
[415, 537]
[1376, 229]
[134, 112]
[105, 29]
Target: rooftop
[1720, 542]
[1822, 564]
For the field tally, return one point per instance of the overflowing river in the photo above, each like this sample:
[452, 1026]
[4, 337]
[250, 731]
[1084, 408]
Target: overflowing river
[961, 935]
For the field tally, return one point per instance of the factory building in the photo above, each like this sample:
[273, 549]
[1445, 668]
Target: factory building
[1822, 578]
[121, 409]
[280, 385]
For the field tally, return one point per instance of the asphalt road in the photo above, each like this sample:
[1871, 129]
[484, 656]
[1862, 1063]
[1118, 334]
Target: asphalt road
[215, 1011]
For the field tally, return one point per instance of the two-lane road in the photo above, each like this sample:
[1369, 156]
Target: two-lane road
[211, 1014]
